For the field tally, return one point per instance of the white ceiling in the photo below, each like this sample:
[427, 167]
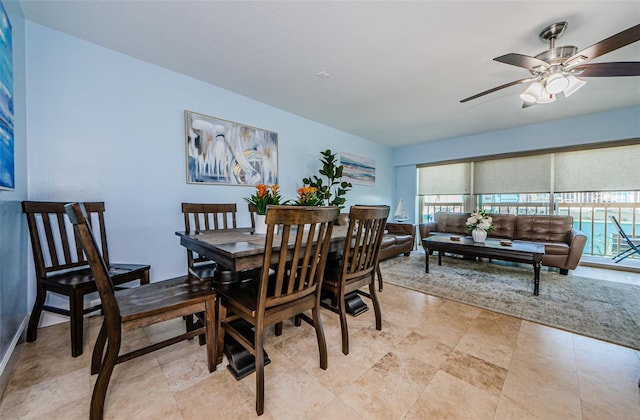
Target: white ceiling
[398, 69]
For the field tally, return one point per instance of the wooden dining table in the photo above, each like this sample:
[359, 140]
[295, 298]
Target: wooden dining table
[240, 250]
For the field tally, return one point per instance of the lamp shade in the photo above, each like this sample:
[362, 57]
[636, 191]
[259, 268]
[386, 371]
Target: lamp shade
[532, 93]
[556, 83]
[574, 85]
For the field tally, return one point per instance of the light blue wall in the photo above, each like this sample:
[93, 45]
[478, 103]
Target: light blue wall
[104, 126]
[607, 126]
[13, 233]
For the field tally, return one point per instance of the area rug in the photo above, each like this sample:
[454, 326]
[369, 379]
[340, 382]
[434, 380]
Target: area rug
[600, 309]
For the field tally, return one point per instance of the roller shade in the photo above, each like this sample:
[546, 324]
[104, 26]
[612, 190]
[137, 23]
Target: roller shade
[445, 179]
[526, 174]
[606, 169]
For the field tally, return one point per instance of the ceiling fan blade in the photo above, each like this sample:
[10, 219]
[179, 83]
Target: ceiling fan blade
[521, 60]
[616, 69]
[619, 40]
[486, 92]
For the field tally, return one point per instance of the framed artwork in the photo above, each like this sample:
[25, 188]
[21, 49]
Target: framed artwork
[229, 153]
[358, 169]
[7, 157]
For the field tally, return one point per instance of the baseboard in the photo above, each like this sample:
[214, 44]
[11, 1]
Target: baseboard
[11, 357]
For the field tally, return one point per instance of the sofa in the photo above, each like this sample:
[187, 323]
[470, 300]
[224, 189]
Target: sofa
[563, 244]
[399, 238]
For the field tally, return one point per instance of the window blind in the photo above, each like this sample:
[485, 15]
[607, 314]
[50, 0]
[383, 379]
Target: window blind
[605, 169]
[453, 178]
[525, 174]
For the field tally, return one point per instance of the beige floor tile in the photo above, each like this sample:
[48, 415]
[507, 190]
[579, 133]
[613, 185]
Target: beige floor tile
[389, 388]
[485, 349]
[498, 328]
[611, 397]
[218, 396]
[337, 410]
[477, 372]
[47, 396]
[448, 397]
[416, 346]
[553, 393]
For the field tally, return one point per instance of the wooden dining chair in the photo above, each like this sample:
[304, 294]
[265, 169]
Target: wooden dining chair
[129, 309]
[293, 288]
[62, 268]
[357, 265]
[200, 217]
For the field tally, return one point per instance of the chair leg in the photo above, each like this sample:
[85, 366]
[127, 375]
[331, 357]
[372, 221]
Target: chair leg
[98, 350]
[379, 274]
[322, 342]
[376, 305]
[76, 306]
[259, 370]
[278, 329]
[102, 383]
[343, 323]
[145, 277]
[34, 319]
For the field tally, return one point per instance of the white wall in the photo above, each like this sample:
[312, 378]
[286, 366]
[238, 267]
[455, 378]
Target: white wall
[104, 126]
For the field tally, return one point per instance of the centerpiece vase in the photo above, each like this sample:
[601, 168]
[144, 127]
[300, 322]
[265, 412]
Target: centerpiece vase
[261, 224]
[479, 235]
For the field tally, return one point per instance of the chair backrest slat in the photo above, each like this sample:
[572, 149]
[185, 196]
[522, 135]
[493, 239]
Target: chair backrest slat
[299, 267]
[54, 243]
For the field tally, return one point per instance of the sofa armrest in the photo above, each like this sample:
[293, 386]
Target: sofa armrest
[426, 229]
[577, 241]
[401, 229]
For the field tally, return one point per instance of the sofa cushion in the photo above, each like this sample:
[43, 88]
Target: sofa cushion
[452, 222]
[544, 228]
[505, 226]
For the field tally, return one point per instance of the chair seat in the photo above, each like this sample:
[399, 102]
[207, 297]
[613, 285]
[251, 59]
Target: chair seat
[82, 277]
[142, 302]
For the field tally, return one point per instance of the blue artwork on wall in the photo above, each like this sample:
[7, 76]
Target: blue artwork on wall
[7, 158]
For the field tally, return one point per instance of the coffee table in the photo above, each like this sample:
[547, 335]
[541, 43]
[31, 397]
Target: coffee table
[522, 252]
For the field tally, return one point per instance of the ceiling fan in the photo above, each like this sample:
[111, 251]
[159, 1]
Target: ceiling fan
[555, 70]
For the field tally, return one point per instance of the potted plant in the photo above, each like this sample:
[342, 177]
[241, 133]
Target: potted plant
[479, 223]
[329, 188]
[264, 196]
[308, 196]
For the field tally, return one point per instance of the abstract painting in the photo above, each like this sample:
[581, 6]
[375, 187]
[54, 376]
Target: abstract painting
[358, 169]
[225, 152]
[7, 157]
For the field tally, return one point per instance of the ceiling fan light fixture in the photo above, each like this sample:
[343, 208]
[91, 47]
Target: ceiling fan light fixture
[556, 83]
[574, 85]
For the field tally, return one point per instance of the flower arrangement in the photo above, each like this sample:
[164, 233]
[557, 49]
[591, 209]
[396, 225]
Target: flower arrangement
[264, 196]
[307, 196]
[480, 219]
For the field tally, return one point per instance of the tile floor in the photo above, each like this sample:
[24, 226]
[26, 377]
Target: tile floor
[433, 359]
